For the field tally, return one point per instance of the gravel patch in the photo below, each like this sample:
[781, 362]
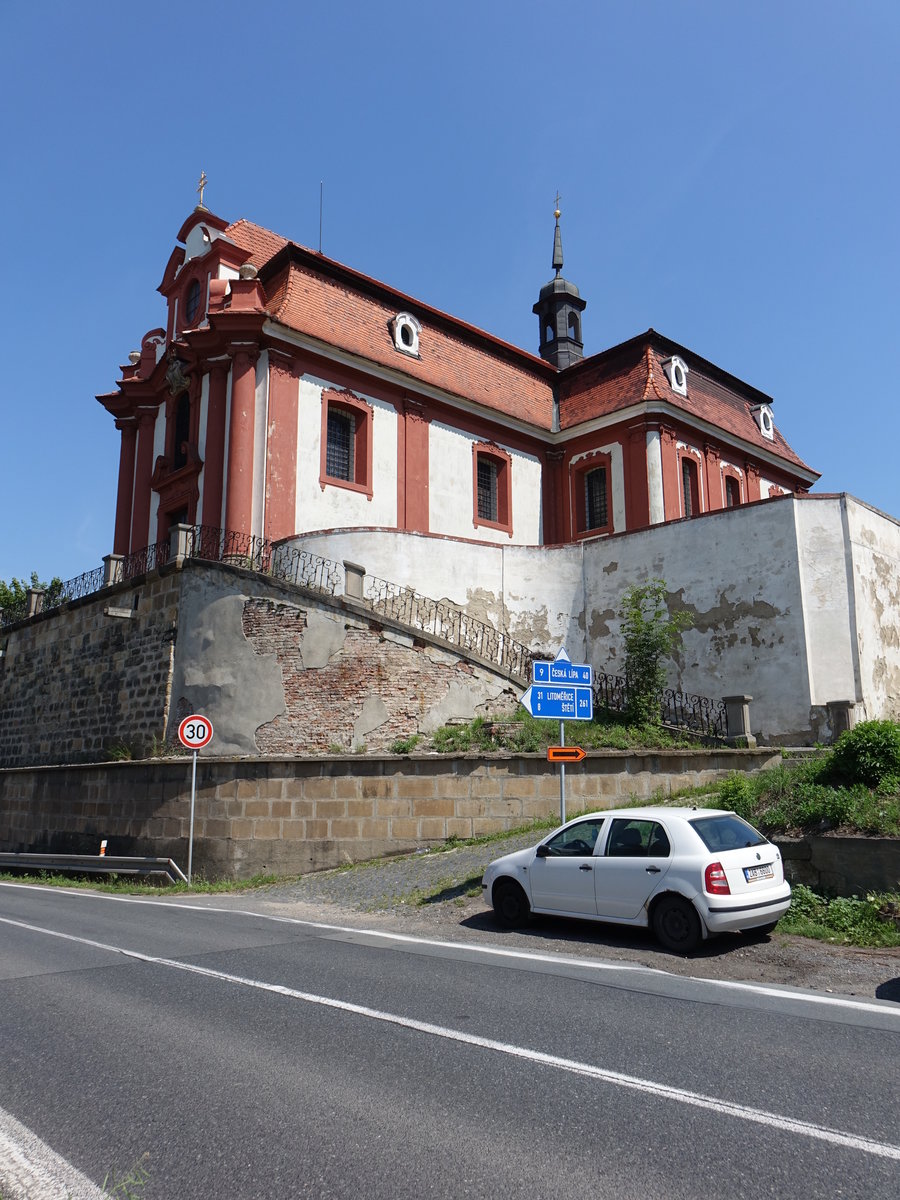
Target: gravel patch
[430, 894]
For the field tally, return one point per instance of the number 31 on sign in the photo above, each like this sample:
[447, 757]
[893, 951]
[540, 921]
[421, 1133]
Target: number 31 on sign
[195, 732]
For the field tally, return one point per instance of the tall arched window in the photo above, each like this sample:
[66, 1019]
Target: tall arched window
[182, 433]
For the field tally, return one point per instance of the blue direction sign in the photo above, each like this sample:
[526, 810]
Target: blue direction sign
[559, 702]
[562, 670]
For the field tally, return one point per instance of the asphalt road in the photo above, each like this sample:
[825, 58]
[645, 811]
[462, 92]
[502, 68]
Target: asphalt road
[250, 1056]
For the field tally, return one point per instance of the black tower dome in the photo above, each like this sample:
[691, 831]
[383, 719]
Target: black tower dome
[559, 310]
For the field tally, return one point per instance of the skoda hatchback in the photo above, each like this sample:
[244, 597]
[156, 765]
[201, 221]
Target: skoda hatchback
[685, 873]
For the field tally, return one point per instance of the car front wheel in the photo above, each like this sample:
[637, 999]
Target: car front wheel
[676, 924]
[510, 903]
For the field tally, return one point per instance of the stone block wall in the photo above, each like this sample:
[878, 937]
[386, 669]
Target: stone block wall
[81, 680]
[289, 816]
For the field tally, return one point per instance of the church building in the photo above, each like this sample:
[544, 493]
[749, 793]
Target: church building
[287, 393]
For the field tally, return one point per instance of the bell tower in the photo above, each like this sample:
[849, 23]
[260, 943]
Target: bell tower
[559, 310]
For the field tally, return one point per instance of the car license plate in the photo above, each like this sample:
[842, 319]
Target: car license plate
[763, 872]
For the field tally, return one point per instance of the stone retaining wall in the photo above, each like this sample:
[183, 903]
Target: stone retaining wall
[289, 816]
[842, 866]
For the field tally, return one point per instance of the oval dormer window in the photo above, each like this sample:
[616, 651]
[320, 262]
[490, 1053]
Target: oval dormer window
[406, 331]
[676, 370]
[762, 414]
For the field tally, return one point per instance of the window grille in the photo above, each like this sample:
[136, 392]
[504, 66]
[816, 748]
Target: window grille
[487, 489]
[595, 503]
[339, 454]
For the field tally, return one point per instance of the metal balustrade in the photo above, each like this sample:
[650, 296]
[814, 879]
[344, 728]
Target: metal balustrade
[291, 564]
[699, 714]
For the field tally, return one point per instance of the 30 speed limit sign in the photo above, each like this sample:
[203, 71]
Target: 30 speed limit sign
[195, 732]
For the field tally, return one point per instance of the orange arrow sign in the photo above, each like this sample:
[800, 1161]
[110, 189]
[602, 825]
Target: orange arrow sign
[564, 754]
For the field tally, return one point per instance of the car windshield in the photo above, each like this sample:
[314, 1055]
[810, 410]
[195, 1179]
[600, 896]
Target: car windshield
[727, 832]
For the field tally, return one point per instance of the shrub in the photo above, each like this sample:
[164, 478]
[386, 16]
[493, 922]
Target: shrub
[651, 633]
[736, 793]
[869, 753]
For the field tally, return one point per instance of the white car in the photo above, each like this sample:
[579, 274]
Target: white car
[684, 872]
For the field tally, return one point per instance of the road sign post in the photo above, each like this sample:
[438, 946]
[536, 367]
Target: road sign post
[194, 733]
[564, 690]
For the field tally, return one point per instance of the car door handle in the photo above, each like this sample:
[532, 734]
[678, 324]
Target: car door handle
[652, 870]
[585, 867]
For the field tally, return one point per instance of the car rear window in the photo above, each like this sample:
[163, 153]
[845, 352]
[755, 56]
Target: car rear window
[727, 832]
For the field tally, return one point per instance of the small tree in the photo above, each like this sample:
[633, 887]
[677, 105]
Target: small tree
[651, 635]
[13, 594]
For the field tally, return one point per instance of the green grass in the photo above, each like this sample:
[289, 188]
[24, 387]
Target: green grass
[844, 920]
[127, 883]
[525, 734]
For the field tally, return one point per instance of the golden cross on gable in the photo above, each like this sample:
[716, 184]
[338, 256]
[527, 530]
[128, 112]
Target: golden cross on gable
[201, 185]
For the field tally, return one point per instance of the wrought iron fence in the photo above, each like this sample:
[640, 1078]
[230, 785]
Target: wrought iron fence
[300, 567]
[143, 561]
[448, 622]
[700, 714]
[440, 618]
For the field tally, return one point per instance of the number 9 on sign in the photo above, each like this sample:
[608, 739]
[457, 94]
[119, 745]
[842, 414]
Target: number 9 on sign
[195, 732]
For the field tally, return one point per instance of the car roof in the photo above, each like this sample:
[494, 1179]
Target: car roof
[656, 812]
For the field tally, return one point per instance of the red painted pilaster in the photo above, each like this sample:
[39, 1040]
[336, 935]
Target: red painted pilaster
[140, 521]
[239, 484]
[281, 447]
[670, 476]
[413, 510]
[753, 492]
[637, 486]
[125, 494]
[214, 466]
[713, 468]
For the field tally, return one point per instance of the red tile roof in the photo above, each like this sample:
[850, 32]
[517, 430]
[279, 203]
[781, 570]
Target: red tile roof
[334, 304]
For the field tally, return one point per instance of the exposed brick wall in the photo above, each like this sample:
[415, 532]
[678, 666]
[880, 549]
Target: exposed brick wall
[78, 682]
[295, 815]
[322, 704]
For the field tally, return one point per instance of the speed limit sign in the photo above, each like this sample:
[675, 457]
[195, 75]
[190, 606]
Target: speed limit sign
[195, 732]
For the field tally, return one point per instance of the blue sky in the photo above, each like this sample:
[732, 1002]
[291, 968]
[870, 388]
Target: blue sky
[728, 171]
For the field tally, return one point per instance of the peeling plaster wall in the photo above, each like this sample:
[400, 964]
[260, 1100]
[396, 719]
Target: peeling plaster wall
[534, 594]
[874, 540]
[282, 674]
[826, 575]
[736, 573]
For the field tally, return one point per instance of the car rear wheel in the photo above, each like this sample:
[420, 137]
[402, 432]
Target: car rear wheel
[510, 904]
[676, 924]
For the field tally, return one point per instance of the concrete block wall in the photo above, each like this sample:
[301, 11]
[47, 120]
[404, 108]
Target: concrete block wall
[290, 816]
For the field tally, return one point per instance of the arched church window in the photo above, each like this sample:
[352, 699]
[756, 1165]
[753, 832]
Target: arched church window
[182, 431]
[192, 302]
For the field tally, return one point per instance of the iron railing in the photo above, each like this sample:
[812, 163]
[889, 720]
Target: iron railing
[305, 569]
[683, 710]
[291, 564]
[447, 621]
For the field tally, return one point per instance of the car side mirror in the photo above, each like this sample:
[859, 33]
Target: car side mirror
[543, 852]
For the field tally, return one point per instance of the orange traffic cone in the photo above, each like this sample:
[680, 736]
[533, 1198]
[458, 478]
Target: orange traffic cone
[103, 848]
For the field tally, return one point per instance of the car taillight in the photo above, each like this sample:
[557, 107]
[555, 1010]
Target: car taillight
[715, 881]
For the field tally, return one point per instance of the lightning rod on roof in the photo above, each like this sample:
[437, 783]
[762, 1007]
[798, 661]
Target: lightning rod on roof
[321, 206]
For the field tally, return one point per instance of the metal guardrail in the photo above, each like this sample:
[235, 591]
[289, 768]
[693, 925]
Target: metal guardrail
[95, 864]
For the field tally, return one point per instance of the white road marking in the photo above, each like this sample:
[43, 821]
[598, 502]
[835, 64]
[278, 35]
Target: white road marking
[883, 1008]
[29, 1168]
[650, 1087]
